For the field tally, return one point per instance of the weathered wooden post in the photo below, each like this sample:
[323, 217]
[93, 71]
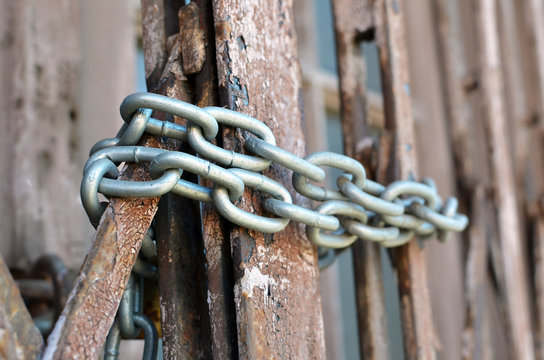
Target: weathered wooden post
[277, 301]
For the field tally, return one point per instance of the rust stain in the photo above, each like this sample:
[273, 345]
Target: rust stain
[275, 277]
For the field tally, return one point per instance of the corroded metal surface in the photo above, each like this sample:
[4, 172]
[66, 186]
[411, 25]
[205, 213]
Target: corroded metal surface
[353, 22]
[276, 289]
[182, 278]
[214, 227]
[418, 329]
[19, 338]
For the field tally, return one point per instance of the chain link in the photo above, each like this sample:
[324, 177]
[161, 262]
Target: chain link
[360, 208]
[130, 321]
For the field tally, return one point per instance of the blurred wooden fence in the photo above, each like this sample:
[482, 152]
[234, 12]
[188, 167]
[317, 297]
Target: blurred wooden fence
[462, 102]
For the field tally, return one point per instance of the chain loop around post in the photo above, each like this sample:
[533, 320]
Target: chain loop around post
[389, 215]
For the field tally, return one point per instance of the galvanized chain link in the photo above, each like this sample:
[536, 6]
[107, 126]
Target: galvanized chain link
[360, 208]
[130, 321]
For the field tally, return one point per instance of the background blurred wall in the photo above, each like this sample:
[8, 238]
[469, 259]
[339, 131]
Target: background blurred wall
[65, 66]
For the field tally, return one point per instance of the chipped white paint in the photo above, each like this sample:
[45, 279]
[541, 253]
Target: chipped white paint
[254, 278]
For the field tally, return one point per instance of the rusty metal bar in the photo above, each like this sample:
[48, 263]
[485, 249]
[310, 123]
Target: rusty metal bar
[353, 23]
[199, 33]
[276, 290]
[181, 268]
[418, 330]
[19, 338]
[182, 280]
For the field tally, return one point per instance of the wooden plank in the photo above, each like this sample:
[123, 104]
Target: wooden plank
[522, 55]
[276, 289]
[19, 338]
[510, 235]
[482, 333]
[434, 152]
[418, 330]
[353, 22]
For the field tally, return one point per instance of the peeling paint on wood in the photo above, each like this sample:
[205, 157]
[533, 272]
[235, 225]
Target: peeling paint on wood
[260, 76]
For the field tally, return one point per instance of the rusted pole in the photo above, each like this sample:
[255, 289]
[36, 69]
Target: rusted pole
[353, 22]
[200, 36]
[19, 338]
[181, 266]
[418, 330]
[276, 290]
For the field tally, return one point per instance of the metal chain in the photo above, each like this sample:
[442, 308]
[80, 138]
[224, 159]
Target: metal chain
[130, 321]
[360, 208]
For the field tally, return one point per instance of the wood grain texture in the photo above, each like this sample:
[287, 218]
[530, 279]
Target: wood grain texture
[276, 289]
[510, 235]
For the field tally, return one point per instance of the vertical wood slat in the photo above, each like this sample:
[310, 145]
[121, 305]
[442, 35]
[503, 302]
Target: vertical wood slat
[523, 48]
[418, 330]
[531, 22]
[500, 216]
[433, 150]
[276, 277]
[470, 156]
[505, 191]
[315, 109]
[353, 21]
